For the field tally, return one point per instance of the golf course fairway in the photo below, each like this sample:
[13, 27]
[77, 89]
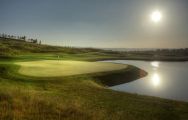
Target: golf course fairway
[53, 68]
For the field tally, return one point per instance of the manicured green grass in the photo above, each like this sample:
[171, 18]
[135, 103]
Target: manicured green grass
[53, 68]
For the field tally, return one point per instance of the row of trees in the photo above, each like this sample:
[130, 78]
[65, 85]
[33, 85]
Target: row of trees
[23, 38]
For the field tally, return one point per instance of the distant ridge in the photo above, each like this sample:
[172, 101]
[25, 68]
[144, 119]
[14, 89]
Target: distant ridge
[141, 49]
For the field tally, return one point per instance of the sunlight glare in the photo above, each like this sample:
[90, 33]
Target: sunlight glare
[156, 16]
[155, 79]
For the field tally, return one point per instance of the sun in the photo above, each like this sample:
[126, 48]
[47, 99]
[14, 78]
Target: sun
[156, 16]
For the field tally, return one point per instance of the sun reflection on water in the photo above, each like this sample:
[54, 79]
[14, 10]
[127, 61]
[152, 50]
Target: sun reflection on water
[155, 79]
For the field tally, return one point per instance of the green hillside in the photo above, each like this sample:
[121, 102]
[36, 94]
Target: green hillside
[15, 47]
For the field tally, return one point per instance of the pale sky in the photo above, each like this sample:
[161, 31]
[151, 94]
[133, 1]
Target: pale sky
[98, 23]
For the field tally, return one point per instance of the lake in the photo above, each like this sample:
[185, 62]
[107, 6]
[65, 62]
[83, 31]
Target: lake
[165, 79]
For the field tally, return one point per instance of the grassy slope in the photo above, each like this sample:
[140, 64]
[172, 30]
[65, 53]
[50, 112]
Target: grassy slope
[77, 97]
[15, 48]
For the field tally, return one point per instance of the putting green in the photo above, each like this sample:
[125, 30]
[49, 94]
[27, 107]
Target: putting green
[52, 68]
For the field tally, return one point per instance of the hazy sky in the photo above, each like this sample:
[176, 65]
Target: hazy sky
[98, 23]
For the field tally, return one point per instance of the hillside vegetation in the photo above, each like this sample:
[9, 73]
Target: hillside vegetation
[19, 49]
[15, 47]
[22, 49]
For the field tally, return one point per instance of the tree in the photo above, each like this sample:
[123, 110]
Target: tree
[24, 37]
[35, 41]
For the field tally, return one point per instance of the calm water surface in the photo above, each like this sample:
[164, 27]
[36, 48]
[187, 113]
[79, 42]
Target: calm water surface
[165, 79]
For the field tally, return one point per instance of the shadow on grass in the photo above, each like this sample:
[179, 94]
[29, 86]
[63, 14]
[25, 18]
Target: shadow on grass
[120, 76]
